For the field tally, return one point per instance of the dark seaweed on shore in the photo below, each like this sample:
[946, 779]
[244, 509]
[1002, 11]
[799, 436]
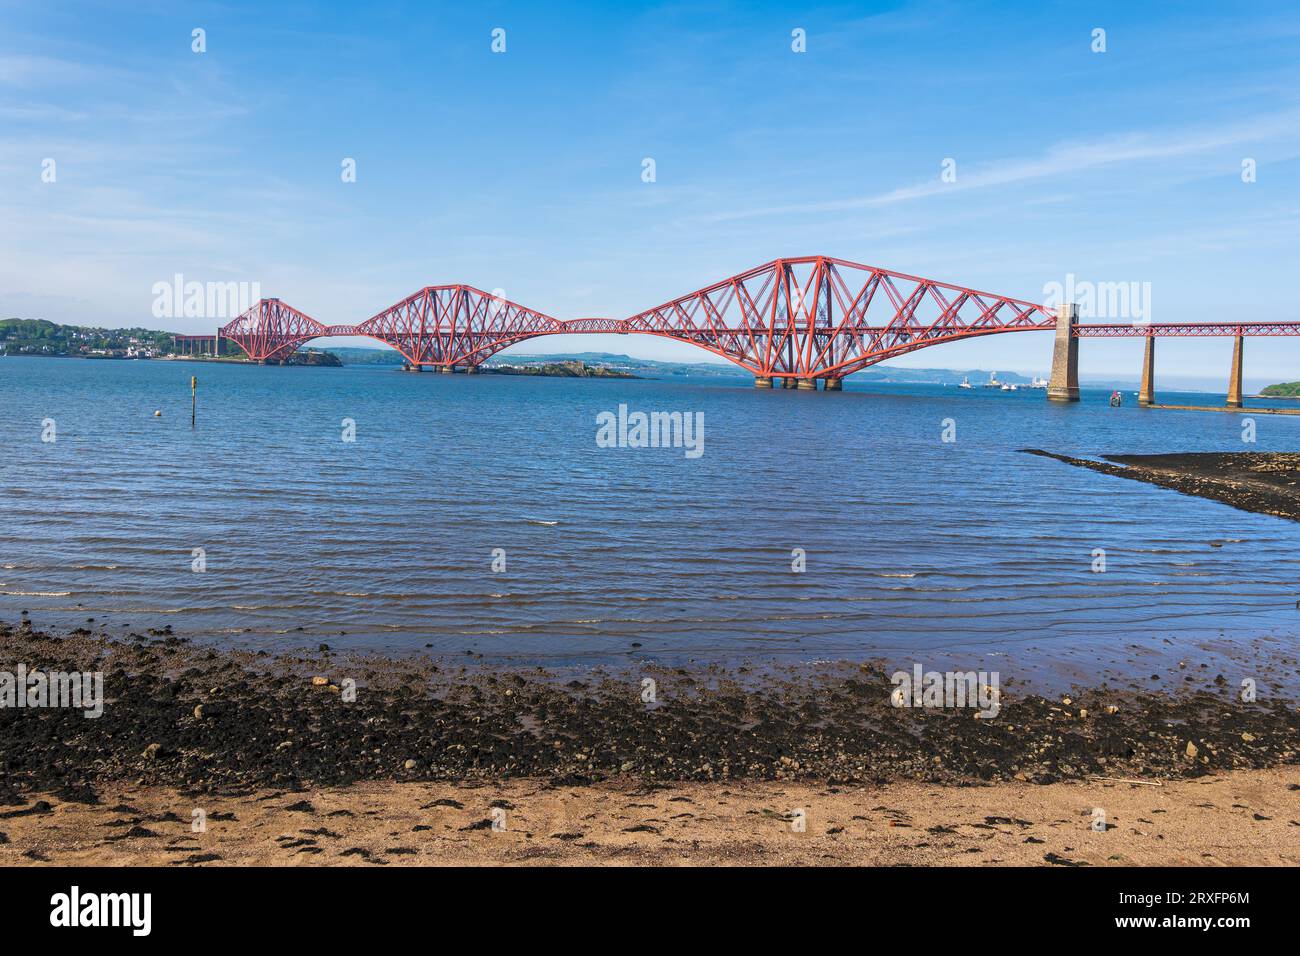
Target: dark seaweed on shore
[207, 720]
[1262, 482]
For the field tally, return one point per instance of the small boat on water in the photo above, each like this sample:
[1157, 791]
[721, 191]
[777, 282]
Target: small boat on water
[965, 382]
[993, 381]
[1038, 382]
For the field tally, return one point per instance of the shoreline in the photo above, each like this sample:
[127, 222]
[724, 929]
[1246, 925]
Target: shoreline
[585, 770]
[1260, 482]
[186, 714]
[1238, 409]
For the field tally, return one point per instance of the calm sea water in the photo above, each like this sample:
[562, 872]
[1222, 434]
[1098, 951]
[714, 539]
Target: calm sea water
[912, 544]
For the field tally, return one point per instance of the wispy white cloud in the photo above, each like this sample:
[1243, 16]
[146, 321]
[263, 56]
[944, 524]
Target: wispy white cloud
[1059, 161]
[27, 71]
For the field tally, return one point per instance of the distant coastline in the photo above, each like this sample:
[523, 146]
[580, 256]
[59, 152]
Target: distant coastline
[313, 357]
[1281, 390]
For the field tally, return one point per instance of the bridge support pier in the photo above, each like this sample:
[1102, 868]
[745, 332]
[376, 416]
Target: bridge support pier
[446, 369]
[1147, 393]
[1234, 377]
[788, 383]
[471, 369]
[762, 381]
[413, 368]
[833, 384]
[1064, 383]
[808, 384]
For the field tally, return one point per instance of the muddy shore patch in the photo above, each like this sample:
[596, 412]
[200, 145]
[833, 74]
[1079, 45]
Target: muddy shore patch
[203, 720]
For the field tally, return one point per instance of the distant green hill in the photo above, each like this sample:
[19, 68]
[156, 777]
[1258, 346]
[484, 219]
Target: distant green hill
[1283, 390]
[365, 356]
[38, 337]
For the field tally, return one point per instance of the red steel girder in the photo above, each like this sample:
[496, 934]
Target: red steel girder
[1186, 329]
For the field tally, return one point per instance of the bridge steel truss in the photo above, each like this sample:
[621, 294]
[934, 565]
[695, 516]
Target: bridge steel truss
[452, 325]
[818, 317]
[271, 331]
[804, 318]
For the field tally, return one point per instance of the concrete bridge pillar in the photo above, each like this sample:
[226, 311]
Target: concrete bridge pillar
[471, 369]
[446, 369]
[788, 383]
[1064, 383]
[808, 384]
[1234, 377]
[414, 368]
[833, 384]
[762, 381]
[1147, 393]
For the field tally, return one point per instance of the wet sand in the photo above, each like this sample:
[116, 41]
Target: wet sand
[1244, 818]
[1263, 482]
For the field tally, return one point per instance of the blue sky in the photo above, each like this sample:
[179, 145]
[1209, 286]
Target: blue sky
[522, 171]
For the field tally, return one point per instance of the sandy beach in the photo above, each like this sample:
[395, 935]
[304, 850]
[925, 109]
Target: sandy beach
[1243, 818]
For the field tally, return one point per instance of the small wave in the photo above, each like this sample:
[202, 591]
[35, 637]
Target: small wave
[157, 610]
[912, 575]
[37, 593]
[548, 524]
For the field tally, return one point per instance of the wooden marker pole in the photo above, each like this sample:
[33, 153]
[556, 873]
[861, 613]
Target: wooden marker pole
[194, 399]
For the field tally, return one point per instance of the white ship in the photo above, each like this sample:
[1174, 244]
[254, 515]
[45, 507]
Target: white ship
[993, 381]
[1038, 382]
[965, 382]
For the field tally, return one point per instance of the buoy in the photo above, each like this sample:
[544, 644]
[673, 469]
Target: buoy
[157, 413]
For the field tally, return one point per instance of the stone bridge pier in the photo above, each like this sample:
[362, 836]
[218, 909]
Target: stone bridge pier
[1147, 393]
[1063, 386]
[1234, 377]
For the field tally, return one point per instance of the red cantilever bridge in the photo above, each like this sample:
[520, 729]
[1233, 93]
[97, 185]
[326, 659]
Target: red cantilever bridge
[790, 322]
